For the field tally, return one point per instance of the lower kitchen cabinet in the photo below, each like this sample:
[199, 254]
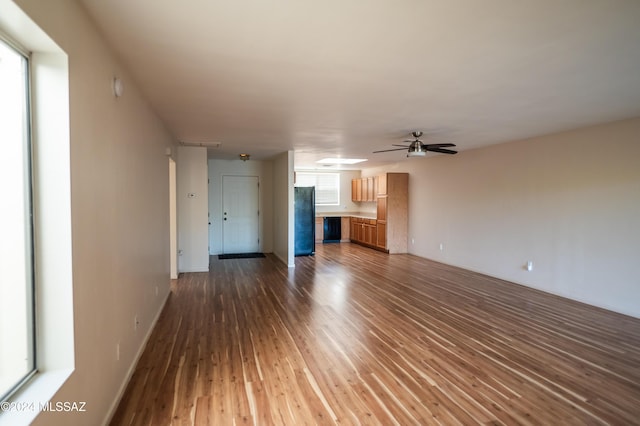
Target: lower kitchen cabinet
[345, 228]
[364, 231]
[381, 241]
[319, 230]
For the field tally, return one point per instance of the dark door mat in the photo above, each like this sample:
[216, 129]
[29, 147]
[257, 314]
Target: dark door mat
[240, 256]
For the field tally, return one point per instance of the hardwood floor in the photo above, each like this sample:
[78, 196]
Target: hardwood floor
[355, 336]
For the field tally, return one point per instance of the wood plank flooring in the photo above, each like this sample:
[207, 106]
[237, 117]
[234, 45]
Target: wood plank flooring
[354, 336]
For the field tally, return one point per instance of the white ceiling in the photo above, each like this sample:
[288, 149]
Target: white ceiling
[345, 78]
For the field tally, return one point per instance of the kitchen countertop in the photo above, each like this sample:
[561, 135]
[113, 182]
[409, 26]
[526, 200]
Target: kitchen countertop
[363, 215]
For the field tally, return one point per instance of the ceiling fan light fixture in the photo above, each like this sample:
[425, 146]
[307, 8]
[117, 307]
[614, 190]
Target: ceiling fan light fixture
[416, 149]
[419, 149]
[244, 157]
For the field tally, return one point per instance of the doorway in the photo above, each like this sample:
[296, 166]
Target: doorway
[240, 210]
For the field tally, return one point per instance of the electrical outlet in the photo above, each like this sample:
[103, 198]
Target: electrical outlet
[413, 241]
[530, 265]
[441, 246]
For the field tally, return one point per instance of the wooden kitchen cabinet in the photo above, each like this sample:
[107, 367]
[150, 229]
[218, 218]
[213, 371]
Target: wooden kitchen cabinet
[356, 227]
[364, 189]
[319, 229]
[393, 206]
[388, 232]
[364, 231]
[371, 189]
[381, 207]
[370, 232]
[345, 229]
[382, 185]
[354, 190]
[381, 240]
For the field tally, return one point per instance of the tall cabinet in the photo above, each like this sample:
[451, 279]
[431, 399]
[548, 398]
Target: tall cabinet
[392, 212]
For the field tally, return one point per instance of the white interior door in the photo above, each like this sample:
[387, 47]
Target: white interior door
[240, 231]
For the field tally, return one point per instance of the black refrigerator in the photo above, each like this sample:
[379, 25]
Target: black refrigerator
[305, 220]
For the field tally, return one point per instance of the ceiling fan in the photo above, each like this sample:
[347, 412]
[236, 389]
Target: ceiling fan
[418, 149]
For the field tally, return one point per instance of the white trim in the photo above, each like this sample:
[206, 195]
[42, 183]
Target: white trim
[198, 269]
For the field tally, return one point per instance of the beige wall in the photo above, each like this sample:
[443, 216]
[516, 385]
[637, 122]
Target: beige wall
[119, 212]
[569, 202]
[193, 206]
[283, 223]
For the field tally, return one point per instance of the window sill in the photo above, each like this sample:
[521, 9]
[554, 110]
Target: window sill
[28, 403]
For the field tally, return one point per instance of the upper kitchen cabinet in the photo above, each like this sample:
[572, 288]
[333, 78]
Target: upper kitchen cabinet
[364, 189]
[356, 190]
[392, 212]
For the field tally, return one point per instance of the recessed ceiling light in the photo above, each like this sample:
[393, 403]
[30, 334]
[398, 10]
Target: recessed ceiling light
[341, 160]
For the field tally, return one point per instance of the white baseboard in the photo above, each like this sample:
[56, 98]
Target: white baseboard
[283, 260]
[132, 367]
[201, 269]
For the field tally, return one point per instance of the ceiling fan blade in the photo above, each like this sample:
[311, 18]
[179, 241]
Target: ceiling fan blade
[438, 145]
[396, 149]
[395, 144]
[442, 150]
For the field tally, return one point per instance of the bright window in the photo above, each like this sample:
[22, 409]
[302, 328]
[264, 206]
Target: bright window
[327, 186]
[17, 345]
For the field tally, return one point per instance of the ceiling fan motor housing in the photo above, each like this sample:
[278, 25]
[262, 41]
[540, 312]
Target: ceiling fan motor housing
[416, 147]
[416, 150]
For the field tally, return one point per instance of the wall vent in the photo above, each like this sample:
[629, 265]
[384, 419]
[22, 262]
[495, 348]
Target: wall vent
[204, 144]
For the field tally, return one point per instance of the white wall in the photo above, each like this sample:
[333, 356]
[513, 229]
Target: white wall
[119, 211]
[193, 206]
[173, 218]
[569, 202]
[264, 171]
[283, 223]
